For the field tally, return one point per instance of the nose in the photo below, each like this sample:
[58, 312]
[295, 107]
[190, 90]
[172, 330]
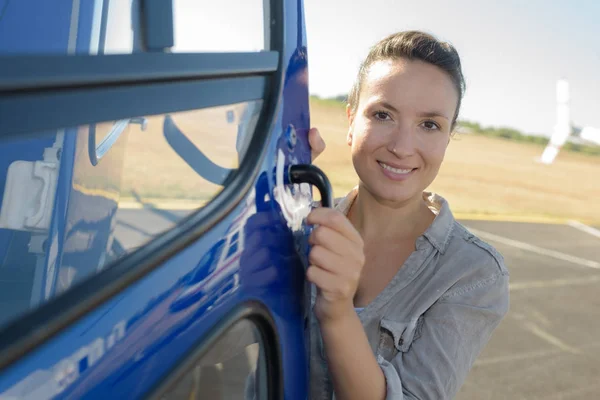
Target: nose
[402, 142]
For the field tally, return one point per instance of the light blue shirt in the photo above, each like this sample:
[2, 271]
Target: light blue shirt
[429, 324]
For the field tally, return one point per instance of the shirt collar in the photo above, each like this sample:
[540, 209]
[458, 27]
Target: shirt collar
[440, 230]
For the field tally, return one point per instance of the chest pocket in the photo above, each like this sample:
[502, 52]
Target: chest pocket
[395, 336]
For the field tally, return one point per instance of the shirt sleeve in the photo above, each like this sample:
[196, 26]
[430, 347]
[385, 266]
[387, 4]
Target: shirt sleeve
[452, 334]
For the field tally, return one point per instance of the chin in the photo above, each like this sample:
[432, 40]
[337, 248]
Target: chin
[392, 193]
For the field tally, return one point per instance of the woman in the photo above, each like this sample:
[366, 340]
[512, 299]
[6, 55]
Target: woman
[406, 297]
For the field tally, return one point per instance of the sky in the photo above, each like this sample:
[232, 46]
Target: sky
[512, 52]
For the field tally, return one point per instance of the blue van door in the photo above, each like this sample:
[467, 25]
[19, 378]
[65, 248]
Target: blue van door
[154, 182]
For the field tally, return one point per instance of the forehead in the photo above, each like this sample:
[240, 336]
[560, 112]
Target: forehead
[410, 83]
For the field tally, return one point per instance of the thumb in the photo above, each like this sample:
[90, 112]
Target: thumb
[316, 142]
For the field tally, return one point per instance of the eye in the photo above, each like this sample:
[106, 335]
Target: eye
[431, 125]
[382, 115]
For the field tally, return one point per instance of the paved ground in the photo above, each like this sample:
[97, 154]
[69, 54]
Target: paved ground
[548, 346]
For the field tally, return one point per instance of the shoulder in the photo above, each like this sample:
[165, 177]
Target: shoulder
[481, 272]
[470, 266]
[468, 246]
[459, 246]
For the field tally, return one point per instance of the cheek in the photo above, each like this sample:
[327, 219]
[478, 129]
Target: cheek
[360, 143]
[367, 138]
[433, 150]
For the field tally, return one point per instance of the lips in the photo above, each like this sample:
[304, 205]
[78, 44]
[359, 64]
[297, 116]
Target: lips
[397, 173]
[396, 169]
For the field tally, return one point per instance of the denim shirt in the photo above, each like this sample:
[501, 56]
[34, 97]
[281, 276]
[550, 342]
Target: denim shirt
[429, 324]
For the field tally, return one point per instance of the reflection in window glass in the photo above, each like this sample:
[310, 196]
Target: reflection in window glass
[160, 181]
[233, 248]
[150, 172]
[223, 26]
[122, 27]
[233, 368]
[113, 26]
[69, 27]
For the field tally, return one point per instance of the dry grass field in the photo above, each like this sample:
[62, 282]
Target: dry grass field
[481, 176]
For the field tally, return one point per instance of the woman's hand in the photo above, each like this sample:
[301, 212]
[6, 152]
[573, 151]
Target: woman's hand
[336, 261]
[316, 142]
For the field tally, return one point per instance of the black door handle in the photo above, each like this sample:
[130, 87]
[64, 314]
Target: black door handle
[308, 173]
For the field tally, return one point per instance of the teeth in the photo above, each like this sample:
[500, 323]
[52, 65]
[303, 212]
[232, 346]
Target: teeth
[395, 170]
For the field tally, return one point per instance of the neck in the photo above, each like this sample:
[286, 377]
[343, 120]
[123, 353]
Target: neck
[376, 218]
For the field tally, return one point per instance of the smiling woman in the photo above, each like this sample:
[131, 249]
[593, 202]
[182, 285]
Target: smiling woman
[406, 297]
[403, 119]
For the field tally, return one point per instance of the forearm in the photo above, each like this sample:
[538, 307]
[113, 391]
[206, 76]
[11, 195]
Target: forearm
[354, 370]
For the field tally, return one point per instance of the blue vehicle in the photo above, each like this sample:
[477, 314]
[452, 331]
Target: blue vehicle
[154, 180]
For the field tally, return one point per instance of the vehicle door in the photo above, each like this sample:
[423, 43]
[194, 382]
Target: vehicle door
[154, 188]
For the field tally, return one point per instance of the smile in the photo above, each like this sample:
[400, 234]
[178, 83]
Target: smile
[400, 171]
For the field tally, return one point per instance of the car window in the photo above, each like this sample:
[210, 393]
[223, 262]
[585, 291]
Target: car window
[234, 367]
[126, 182]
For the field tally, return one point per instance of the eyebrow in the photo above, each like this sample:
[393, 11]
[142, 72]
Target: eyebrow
[388, 106]
[430, 114]
[433, 114]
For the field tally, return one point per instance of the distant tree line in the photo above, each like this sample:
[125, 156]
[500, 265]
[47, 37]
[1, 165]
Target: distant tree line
[518, 136]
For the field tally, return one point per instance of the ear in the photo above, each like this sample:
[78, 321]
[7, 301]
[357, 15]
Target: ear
[451, 136]
[350, 117]
[349, 114]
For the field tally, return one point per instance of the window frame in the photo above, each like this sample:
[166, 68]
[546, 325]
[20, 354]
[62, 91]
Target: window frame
[55, 99]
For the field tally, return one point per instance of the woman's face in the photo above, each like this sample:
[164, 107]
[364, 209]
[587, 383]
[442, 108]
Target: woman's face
[401, 128]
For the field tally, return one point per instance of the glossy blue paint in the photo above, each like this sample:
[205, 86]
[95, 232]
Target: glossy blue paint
[49, 35]
[126, 345]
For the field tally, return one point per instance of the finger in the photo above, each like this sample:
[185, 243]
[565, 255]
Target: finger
[321, 278]
[328, 282]
[334, 241]
[337, 265]
[316, 142]
[335, 220]
[325, 259]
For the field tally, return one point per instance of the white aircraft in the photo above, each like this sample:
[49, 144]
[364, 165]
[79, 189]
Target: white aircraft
[563, 128]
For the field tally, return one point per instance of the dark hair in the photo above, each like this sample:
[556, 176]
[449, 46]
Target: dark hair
[412, 45]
